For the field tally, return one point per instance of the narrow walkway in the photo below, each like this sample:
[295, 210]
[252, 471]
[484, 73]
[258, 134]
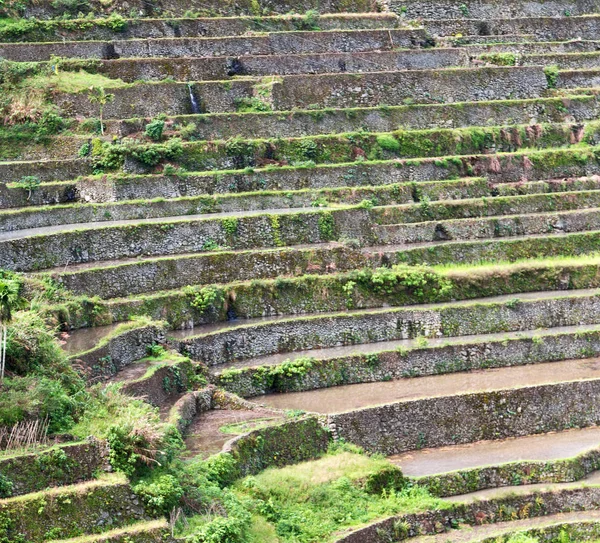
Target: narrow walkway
[368, 348]
[45, 230]
[85, 338]
[484, 531]
[350, 397]
[493, 493]
[542, 447]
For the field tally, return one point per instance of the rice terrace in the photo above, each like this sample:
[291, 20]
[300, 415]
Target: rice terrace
[308, 271]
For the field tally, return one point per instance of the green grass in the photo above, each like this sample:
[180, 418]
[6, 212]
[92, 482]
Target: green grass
[108, 407]
[311, 501]
[485, 265]
[72, 82]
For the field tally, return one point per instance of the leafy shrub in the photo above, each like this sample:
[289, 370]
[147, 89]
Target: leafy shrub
[34, 397]
[30, 183]
[160, 494]
[155, 350]
[207, 299]
[6, 487]
[388, 143]
[84, 150]
[154, 130]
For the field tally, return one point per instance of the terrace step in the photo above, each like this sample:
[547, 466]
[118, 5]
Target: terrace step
[220, 68]
[33, 218]
[489, 250]
[270, 43]
[232, 341]
[212, 8]
[319, 91]
[159, 383]
[73, 510]
[155, 28]
[52, 466]
[582, 524]
[476, 39]
[299, 123]
[536, 448]
[470, 344]
[525, 224]
[535, 48]
[61, 228]
[543, 28]
[475, 9]
[340, 399]
[152, 531]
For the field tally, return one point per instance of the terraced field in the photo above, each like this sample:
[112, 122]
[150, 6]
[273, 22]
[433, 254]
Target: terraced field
[286, 225]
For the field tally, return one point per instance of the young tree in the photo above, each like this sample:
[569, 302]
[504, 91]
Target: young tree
[9, 297]
[97, 95]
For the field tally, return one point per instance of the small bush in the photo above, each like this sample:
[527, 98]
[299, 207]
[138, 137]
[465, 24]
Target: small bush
[388, 143]
[30, 183]
[160, 494]
[154, 130]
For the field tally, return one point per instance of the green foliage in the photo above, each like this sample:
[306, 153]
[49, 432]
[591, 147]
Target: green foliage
[155, 350]
[138, 445]
[84, 150]
[388, 143]
[207, 299]
[6, 487]
[309, 21]
[230, 225]
[311, 501]
[9, 298]
[160, 493]
[108, 156]
[37, 397]
[251, 105]
[50, 123]
[326, 226]
[30, 183]
[551, 73]
[423, 283]
[154, 129]
[500, 59]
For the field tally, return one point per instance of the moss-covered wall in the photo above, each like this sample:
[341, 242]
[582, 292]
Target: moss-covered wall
[72, 512]
[275, 446]
[60, 465]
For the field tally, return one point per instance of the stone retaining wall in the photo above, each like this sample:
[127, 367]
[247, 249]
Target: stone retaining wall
[480, 512]
[414, 362]
[61, 465]
[116, 352]
[98, 508]
[511, 474]
[287, 335]
[435, 422]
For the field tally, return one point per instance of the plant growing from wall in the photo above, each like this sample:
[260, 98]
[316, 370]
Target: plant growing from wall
[154, 129]
[30, 183]
[97, 95]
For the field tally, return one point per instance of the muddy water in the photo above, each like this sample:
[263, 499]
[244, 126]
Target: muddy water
[349, 397]
[85, 339]
[541, 447]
